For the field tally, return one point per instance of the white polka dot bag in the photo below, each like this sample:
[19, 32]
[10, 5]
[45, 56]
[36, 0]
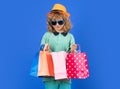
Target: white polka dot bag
[77, 65]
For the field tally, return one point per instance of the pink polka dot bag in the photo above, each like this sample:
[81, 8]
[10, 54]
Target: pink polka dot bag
[77, 65]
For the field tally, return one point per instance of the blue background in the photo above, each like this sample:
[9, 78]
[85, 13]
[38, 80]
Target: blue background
[96, 27]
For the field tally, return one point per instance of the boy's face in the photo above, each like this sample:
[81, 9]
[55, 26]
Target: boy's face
[58, 24]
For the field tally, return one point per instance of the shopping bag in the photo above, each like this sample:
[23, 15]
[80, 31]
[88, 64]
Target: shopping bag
[59, 61]
[34, 67]
[77, 65]
[45, 64]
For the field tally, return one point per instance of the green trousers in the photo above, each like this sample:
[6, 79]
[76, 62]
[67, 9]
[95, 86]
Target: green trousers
[58, 84]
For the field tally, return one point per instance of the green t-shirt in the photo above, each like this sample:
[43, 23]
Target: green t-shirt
[58, 42]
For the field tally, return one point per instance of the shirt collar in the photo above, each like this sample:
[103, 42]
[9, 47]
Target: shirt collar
[63, 33]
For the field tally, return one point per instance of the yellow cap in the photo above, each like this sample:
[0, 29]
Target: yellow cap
[61, 8]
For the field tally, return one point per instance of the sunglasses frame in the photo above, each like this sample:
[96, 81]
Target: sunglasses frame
[56, 21]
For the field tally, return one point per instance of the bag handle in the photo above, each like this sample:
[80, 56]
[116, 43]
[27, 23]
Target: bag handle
[78, 49]
[41, 47]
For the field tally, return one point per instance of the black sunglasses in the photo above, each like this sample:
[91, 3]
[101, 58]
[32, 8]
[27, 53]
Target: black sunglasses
[54, 22]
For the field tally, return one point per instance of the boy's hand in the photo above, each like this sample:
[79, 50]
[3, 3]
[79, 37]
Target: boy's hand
[46, 47]
[73, 48]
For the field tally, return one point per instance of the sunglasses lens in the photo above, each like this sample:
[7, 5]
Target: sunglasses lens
[61, 22]
[53, 22]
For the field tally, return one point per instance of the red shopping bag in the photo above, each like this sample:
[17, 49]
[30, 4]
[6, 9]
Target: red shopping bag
[77, 65]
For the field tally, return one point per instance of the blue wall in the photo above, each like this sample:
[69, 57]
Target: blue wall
[96, 27]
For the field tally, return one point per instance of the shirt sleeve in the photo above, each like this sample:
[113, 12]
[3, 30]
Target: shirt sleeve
[44, 39]
[72, 41]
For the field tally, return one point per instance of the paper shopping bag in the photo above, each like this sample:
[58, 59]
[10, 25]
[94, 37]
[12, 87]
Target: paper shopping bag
[34, 66]
[45, 64]
[77, 65]
[59, 60]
